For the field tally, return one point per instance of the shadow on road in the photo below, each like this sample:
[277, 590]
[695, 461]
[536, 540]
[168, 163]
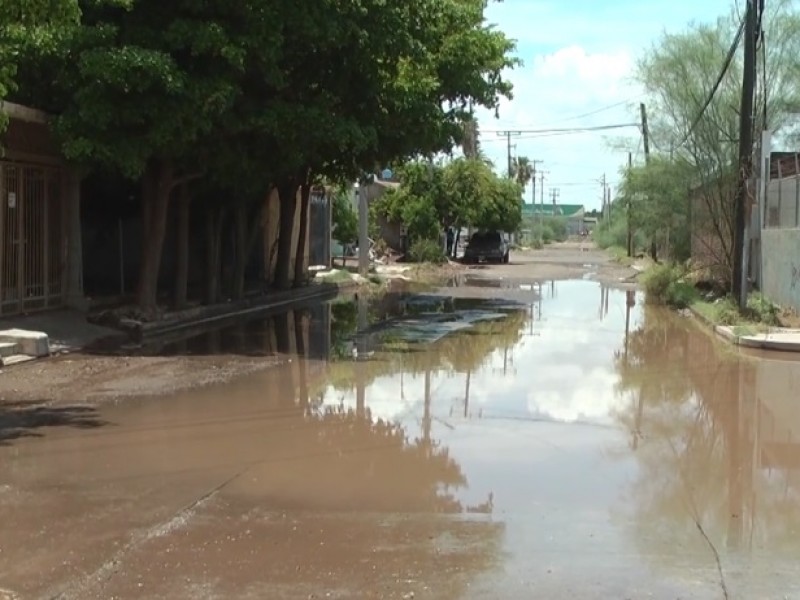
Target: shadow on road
[26, 419]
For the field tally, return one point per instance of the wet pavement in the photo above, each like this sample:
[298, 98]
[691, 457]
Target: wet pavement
[571, 443]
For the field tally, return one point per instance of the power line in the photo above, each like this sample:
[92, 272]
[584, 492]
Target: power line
[566, 129]
[726, 65]
[576, 117]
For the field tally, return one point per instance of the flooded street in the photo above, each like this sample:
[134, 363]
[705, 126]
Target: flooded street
[560, 441]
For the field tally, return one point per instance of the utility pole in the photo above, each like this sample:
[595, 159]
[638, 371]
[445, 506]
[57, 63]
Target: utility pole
[508, 135]
[630, 224]
[533, 180]
[645, 133]
[554, 194]
[363, 228]
[605, 208]
[541, 196]
[745, 156]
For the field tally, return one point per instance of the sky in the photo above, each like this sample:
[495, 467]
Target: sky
[578, 65]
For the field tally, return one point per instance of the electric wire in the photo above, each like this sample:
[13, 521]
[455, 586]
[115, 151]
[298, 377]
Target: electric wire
[726, 65]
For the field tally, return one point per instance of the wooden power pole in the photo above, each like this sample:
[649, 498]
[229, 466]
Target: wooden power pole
[508, 135]
[745, 155]
[645, 133]
[629, 203]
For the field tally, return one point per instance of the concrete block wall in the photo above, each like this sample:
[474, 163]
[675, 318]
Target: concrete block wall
[780, 257]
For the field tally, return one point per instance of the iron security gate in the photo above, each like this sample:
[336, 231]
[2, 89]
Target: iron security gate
[31, 234]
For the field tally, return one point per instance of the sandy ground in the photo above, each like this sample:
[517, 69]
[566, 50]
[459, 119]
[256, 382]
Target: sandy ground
[568, 260]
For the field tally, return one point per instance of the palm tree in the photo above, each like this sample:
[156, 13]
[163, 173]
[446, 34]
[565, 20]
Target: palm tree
[522, 170]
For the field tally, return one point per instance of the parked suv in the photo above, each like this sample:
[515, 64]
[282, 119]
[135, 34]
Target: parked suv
[487, 246]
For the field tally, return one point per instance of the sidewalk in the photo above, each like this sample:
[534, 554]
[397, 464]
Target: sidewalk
[783, 340]
[779, 339]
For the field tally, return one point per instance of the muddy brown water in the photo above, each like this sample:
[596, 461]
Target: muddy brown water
[538, 452]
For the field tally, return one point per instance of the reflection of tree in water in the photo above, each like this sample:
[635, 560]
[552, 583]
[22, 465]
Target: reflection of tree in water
[462, 352]
[377, 468]
[693, 403]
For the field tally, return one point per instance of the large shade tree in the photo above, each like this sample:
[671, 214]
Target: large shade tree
[256, 95]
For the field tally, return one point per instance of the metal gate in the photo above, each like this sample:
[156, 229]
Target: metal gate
[31, 234]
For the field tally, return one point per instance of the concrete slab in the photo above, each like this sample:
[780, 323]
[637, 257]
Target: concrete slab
[8, 349]
[32, 343]
[68, 330]
[16, 359]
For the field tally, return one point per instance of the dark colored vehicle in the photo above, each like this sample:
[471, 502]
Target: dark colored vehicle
[489, 246]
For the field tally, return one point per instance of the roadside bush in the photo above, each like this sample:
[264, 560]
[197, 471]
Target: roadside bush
[558, 228]
[763, 310]
[727, 311]
[427, 251]
[666, 284]
[657, 282]
[537, 244]
[613, 234]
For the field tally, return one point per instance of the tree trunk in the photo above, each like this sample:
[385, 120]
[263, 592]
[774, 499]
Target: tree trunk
[157, 185]
[299, 263]
[182, 265]
[247, 225]
[214, 222]
[287, 193]
[240, 237]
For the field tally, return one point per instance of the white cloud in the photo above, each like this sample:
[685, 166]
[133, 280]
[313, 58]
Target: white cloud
[578, 58]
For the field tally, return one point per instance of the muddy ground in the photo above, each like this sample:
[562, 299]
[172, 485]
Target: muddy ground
[574, 445]
[92, 379]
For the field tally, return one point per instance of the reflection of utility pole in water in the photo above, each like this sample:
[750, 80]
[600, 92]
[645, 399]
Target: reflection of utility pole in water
[426, 419]
[466, 394]
[734, 429]
[630, 302]
[361, 357]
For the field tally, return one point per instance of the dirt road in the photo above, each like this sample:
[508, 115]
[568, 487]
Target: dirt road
[568, 260]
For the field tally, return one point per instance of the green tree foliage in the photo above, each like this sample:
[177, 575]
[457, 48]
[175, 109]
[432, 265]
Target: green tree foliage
[657, 193]
[345, 219]
[465, 192]
[256, 95]
[678, 74]
[522, 170]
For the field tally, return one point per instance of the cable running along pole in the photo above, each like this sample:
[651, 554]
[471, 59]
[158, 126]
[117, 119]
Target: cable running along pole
[745, 155]
[508, 135]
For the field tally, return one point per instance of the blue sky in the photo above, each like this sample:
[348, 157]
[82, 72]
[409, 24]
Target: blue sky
[578, 58]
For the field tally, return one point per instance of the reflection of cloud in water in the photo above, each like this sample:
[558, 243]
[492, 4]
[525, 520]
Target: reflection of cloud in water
[566, 394]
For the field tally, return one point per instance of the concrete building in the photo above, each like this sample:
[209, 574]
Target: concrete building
[40, 227]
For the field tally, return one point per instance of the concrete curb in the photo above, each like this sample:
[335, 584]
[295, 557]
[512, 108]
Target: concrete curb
[209, 315]
[764, 341]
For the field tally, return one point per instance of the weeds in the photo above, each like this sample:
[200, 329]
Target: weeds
[427, 251]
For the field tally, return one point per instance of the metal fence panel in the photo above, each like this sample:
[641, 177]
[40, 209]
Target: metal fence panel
[31, 236]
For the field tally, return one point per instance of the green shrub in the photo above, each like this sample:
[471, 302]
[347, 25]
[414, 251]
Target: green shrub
[657, 282]
[763, 310]
[427, 251]
[537, 244]
[666, 284]
[727, 312]
[681, 294]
